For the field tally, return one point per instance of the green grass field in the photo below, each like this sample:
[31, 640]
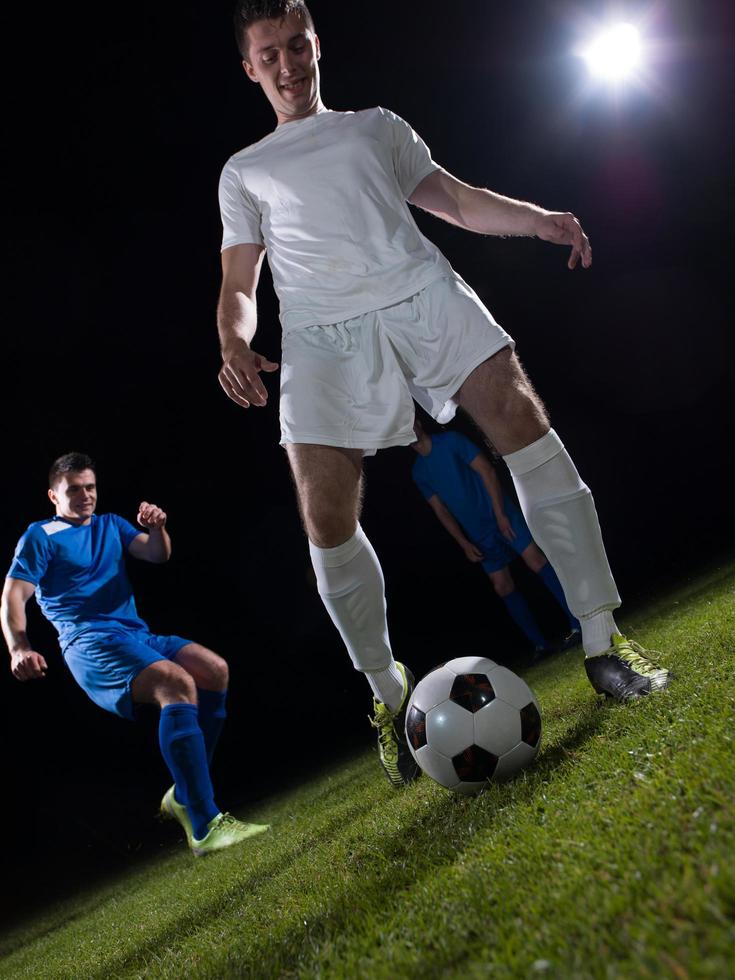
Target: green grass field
[611, 857]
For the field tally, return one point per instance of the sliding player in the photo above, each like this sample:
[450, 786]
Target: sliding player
[74, 563]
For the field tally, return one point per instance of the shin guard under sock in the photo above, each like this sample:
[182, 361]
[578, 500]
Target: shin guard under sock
[351, 585]
[182, 747]
[561, 515]
[211, 716]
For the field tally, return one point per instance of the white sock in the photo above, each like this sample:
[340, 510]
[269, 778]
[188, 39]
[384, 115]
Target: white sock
[597, 633]
[387, 685]
[560, 512]
[350, 581]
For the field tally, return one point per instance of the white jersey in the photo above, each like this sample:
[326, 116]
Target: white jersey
[326, 196]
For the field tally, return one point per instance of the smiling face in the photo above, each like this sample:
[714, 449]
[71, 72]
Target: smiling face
[75, 496]
[283, 58]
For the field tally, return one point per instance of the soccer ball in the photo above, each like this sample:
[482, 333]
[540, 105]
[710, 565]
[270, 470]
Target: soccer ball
[471, 720]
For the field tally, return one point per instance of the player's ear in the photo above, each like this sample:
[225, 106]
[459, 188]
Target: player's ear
[52, 497]
[318, 47]
[250, 72]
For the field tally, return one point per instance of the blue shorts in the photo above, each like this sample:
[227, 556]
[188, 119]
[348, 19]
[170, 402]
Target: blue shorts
[106, 662]
[498, 551]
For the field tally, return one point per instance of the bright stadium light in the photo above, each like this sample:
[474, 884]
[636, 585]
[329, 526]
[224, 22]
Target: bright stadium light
[615, 54]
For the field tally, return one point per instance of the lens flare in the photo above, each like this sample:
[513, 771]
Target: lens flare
[615, 54]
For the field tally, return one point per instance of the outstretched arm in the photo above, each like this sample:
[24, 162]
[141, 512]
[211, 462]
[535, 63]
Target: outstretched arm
[25, 663]
[495, 492]
[448, 521]
[237, 320]
[155, 546]
[488, 213]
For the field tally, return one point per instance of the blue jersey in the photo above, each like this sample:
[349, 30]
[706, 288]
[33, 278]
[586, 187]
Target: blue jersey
[446, 472]
[79, 573]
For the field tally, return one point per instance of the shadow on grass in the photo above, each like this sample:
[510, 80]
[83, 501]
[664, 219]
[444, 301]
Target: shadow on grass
[433, 839]
[336, 784]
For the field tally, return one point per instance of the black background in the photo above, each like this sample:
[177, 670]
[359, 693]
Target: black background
[118, 123]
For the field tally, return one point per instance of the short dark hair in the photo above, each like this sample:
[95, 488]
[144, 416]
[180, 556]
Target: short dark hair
[69, 463]
[248, 12]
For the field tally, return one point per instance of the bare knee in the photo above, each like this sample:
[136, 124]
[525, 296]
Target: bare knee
[164, 683]
[209, 671]
[216, 674]
[502, 582]
[327, 523]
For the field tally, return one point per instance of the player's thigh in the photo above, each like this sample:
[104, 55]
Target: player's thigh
[328, 482]
[522, 543]
[500, 398]
[209, 670]
[163, 682]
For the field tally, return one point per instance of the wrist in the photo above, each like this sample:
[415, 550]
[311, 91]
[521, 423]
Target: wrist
[535, 218]
[233, 345]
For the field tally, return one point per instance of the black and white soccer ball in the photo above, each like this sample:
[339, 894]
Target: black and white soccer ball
[471, 720]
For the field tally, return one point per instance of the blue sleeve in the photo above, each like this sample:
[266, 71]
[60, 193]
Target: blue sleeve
[31, 557]
[126, 530]
[425, 488]
[464, 447]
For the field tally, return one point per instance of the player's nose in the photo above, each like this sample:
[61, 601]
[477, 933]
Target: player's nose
[286, 61]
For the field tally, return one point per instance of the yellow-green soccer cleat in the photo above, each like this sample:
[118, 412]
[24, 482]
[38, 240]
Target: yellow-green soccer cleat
[395, 755]
[224, 831]
[170, 808]
[625, 671]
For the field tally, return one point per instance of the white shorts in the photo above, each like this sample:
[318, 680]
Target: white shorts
[351, 384]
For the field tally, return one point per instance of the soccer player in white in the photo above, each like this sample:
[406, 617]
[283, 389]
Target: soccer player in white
[374, 316]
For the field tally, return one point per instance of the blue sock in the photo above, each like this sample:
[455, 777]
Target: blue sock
[552, 583]
[182, 747]
[212, 716]
[523, 617]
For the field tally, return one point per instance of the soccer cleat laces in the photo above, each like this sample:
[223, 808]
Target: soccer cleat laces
[395, 755]
[625, 671]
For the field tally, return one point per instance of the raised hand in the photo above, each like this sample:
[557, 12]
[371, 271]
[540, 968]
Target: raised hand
[151, 516]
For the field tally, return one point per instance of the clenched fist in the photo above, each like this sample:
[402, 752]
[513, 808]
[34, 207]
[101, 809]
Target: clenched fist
[151, 516]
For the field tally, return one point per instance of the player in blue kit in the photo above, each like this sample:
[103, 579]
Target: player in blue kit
[74, 563]
[462, 488]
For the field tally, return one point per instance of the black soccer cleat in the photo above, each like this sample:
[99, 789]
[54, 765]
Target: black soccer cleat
[395, 756]
[625, 672]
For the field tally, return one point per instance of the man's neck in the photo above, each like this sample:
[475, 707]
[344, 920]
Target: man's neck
[316, 108]
[76, 521]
